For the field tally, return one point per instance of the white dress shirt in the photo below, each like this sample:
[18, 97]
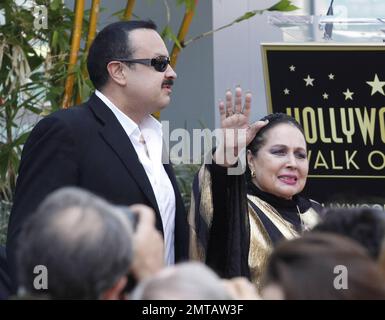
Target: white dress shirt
[150, 156]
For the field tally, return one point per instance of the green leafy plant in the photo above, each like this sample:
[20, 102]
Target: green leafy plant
[185, 174]
[33, 69]
[5, 208]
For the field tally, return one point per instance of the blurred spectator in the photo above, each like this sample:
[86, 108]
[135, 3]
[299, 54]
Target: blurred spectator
[322, 266]
[84, 243]
[185, 281]
[366, 226]
[241, 288]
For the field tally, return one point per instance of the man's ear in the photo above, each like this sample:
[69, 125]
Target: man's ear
[115, 292]
[116, 71]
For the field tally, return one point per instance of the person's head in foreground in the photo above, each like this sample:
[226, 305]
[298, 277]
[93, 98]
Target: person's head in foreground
[80, 244]
[322, 266]
[364, 225]
[185, 281]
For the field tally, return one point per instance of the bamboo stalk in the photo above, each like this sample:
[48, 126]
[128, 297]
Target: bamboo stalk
[183, 30]
[93, 23]
[94, 17]
[75, 45]
[129, 8]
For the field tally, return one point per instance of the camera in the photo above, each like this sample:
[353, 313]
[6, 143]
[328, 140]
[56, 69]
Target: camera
[132, 217]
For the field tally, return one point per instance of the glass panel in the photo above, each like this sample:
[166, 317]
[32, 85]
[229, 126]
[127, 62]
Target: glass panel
[352, 8]
[352, 21]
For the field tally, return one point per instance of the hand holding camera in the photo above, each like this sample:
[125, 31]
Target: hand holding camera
[148, 243]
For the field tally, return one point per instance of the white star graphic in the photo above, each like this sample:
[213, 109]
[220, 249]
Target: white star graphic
[292, 68]
[348, 94]
[325, 96]
[309, 81]
[286, 91]
[331, 76]
[377, 85]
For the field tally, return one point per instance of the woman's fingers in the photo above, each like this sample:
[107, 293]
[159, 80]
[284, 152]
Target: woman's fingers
[253, 130]
[229, 108]
[258, 125]
[238, 100]
[247, 108]
[229, 103]
[222, 111]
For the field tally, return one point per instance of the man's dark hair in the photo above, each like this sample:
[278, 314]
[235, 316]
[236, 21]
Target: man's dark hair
[366, 226]
[84, 242]
[112, 42]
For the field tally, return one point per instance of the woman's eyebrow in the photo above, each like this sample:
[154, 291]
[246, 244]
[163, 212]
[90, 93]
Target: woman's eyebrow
[278, 146]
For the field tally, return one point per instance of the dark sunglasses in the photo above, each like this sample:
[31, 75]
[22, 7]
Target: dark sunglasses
[159, 63]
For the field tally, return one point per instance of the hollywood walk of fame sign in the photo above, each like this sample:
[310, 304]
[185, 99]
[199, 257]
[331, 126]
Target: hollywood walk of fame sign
[337, 93]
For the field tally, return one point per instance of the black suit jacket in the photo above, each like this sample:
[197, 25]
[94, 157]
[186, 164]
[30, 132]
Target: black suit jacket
[86, 146]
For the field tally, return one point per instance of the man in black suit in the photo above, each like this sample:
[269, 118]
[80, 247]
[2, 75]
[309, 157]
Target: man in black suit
[110, 145]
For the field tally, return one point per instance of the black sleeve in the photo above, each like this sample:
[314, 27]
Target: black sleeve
[228, 246]
[48, 162]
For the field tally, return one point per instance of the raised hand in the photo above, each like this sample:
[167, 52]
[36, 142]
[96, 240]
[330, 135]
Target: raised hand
[237, 130]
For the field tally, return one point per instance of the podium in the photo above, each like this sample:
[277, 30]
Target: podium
[336, 90]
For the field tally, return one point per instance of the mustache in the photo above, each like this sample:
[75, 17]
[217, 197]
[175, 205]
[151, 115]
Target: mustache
[168, 82]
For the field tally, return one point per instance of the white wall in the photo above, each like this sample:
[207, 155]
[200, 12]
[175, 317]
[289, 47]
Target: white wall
[237, 53]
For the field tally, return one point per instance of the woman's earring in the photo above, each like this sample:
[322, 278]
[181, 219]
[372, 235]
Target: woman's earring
[253, 175]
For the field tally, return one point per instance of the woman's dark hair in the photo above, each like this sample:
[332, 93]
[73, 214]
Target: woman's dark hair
[312, 267]
[274, 120]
